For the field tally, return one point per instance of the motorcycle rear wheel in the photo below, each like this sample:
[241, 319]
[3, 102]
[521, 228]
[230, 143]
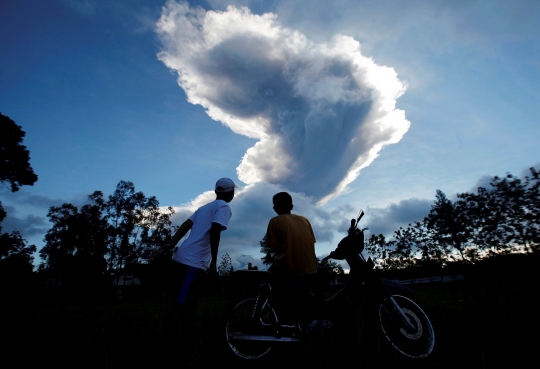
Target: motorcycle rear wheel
[240, 321]
[415, 343]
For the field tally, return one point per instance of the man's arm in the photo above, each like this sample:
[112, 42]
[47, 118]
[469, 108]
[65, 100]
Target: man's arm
[215, 236]
[181, 232]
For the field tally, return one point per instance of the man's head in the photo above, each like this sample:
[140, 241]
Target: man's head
[282, 203]
[225, 189]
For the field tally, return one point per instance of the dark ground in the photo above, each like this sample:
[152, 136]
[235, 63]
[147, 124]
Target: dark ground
[490, 320]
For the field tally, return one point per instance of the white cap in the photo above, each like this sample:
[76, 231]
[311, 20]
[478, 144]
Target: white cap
[225, 185]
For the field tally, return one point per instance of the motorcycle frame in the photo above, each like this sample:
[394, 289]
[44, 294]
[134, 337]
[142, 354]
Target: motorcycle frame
[361, 279]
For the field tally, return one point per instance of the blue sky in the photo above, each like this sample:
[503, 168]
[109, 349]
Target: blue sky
[346, 104]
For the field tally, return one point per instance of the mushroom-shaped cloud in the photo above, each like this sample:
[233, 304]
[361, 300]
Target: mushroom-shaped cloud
[320, 112]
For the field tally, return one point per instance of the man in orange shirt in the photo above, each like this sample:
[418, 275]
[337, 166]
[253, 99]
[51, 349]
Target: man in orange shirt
[291, 237]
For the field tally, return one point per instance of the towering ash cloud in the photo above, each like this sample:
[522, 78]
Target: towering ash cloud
[320, 112]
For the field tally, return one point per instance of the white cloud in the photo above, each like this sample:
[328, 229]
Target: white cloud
[321, 112]
[243, 260]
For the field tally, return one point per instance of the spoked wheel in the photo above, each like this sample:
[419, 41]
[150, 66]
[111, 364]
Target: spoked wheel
[240, 325]
[415, 341]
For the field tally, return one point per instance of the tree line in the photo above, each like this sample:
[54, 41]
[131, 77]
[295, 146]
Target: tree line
[501, 218]
[107, 234]
[16, 256]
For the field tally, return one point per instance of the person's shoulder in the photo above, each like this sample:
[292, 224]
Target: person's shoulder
[211, 206]
[200, 208]
[281, 218]
[218, 203]
[301, 219]
[277, 219]
[222, 207]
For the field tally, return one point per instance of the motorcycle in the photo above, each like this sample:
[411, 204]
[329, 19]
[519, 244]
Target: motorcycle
[255, 325]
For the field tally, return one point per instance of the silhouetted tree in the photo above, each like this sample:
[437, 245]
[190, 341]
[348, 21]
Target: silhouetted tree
[375, 245]
[428, 251]
[269, 254]
[328, 268]
[105, 235]
[401, 249]
[14, 157]
[449, 225]
[484, 221]
[503, 217]
[517, 204]
[60, 240]
[225, 266]
[16, 268]
[139, 227]
[499, 219]
[532, 198]
[77, 243]
[15, 254]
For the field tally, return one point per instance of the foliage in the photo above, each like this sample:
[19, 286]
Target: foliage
[517, 203]
[329, 267]
[2, 214]
[139, 227]
[269, 254]
[502, 218]
[16, 256]
[106, 234]
[225, 266]
[77, 237]
[14, 157]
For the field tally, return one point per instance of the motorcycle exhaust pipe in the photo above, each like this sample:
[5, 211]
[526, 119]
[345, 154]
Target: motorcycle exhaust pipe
[261, 338]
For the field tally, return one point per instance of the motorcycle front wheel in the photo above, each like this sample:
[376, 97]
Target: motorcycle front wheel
[240, 323]
[415, 341]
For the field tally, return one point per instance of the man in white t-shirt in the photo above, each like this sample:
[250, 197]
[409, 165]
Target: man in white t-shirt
[196, 254]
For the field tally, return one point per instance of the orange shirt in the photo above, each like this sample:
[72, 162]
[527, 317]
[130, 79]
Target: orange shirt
[293, 241]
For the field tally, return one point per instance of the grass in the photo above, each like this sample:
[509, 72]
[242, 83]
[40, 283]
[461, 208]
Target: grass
[479, 323]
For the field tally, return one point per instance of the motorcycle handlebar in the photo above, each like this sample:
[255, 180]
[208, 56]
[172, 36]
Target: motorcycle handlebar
[360, 215]
[352, 231]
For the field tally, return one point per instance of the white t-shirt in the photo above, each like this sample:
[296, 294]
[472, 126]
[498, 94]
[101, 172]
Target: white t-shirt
[195, 251]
